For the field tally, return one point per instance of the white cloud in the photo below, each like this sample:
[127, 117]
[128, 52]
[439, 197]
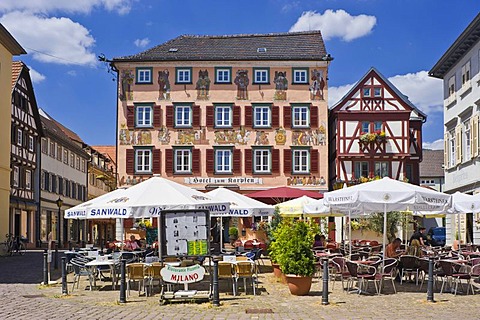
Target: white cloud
[336, 24]
[142, 43]
[435, 145]
[70, 6]
[72, 73]
[36, 76]
[423, 91]
[53, 40]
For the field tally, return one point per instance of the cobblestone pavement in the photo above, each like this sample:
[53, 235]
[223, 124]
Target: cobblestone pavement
[23, 297]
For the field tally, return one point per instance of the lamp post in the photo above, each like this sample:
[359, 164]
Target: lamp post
[59, 216]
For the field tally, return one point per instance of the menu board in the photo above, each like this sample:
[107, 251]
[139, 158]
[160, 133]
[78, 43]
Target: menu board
[186, 233]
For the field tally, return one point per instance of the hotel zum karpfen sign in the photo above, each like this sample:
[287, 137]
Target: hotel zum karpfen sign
[183, 274]
[225, 180]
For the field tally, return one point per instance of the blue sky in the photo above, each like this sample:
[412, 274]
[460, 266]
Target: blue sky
[402, 39]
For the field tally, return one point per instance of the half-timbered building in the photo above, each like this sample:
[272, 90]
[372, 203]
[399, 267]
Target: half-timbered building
[375, 132]
[24, 161]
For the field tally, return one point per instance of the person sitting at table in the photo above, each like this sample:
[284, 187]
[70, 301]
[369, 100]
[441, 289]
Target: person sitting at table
[132, 244]
[319, 241]
[391, 251]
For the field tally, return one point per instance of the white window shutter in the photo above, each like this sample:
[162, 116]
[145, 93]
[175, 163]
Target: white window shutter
[474, 133]
[458, 144]
[446, 151]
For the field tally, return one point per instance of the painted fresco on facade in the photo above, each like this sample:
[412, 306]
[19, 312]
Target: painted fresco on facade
[164, 136]
[305, 181]
[127, 78]
[203, 85]
[192, 136]
[163, 85]
[281, 85]
[125, 136]
[309, 137]
[280, 136]
[242, 81]
[237, 137]
[316, 89]
[142, 137]
[261, 138]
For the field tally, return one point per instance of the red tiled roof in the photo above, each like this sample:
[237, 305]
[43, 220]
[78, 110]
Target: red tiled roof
[109, 151]
[17, 67]
[69, 133]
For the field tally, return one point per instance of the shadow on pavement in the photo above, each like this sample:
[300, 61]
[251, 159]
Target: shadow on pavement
[26, 269]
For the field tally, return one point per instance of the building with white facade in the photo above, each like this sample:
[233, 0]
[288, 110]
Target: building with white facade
[459, 68]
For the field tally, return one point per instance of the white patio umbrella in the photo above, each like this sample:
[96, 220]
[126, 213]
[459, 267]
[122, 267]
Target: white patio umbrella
[294, 207]
[149, 198]
[240, 206]
[386, 195]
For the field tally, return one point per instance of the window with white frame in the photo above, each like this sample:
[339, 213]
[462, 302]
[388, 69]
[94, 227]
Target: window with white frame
[260, 76]
[452, 149]
[223, 161]
[28, 179]
[300, 76]
[300, 116]
[16, 176]
[467, 143]
[19, 137]
[83, 166]
[31, 143]
[52, 149]
[261, 160]
[377, 92]
[451, 86]
[361, 169]
[466, 73]
[381, 169]
[144, 75]
[223, 116]
[59, 152]
[44, 145]
[377, 126]
[143, 160]
[77, 163]
[143, 116]
[261, 116]
[65, 156]
[301, 161]
[183, 160]
[184, 75]
[183, 116]
[72, 160]
[366, 92]
[365, 127]
[223, 75]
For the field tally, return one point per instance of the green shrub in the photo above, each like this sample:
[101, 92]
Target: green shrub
[233, 232]
[292, 248]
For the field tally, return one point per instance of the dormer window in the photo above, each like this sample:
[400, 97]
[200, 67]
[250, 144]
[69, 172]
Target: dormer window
[261, 50]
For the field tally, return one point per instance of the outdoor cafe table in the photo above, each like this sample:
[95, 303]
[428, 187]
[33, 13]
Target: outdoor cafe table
[103, 262]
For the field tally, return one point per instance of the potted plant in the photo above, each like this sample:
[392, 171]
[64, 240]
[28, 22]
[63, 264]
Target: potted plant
[294, 253]
[274, 248]
[233, 234]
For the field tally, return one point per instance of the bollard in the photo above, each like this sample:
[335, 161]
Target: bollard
[216, 296]
[45, 267]
[55, 260]
[430, 297]
[123, 288]
[64, 276]
[325, 283]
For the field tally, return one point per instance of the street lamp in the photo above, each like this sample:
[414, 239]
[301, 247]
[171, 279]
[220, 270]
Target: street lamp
[59, 205]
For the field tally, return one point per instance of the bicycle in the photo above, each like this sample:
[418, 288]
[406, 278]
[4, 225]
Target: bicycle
[12, 245]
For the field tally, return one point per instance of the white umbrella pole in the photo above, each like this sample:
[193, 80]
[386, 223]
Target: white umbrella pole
[159, 239]
[459, 231]
[221, 234]
[384, 228]
[350, 231]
